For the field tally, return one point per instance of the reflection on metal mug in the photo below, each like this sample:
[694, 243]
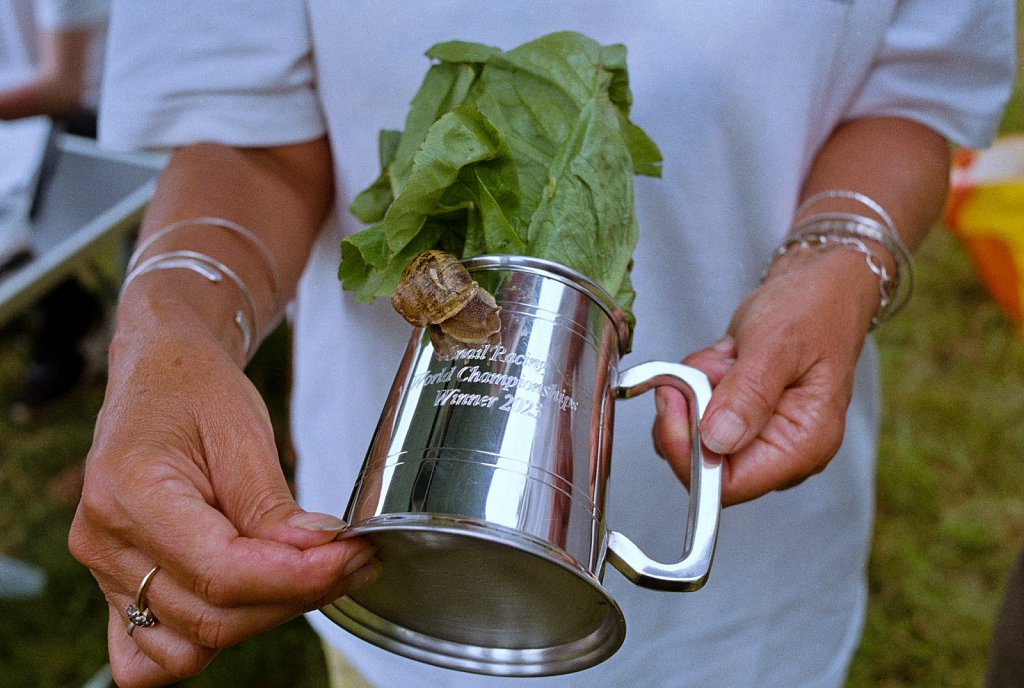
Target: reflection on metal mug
[484, 487]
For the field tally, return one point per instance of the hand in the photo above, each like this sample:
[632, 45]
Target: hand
[184, 474]
[782, 379]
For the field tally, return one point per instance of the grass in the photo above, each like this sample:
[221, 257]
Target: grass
[59, 639]
[950, 515]
[950, 502]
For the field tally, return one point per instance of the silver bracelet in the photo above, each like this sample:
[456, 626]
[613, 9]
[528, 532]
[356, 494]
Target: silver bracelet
[892, 239]
[864, 227]
[857, 196]
[214, 271]
[246, 233]
[824, 241]
[852, 231]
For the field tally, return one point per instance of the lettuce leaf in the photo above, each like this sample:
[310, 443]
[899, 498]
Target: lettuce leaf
[529, 152]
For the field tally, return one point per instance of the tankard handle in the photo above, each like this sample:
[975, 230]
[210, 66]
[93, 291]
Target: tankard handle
[705, 487]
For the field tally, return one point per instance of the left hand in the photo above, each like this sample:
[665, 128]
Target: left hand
[783, 377]
[184, 473]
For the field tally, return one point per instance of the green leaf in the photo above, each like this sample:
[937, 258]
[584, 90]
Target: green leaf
[367, 267]
[371, 204]
[444, 89]
[462, 51]
[498, 233]
[529, 151]
[586, 219]
[644, 152]
[457, 140]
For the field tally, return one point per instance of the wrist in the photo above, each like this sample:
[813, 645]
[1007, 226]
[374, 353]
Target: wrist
[188, 271]
[880, 249]
[842, 276]
[180, 304]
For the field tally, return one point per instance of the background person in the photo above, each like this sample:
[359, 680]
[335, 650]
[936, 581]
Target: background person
[51, 56]
[1006, 659]
[274, 109]
[50, 60]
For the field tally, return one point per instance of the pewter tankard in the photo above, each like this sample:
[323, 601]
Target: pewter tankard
[484, 487]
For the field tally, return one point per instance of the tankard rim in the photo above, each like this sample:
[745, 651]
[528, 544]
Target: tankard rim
[549, 269]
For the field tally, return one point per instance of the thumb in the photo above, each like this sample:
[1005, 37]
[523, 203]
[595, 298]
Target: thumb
[671, 432]
[252, 492]
[244, 469]
[262, 507]
[742, 403]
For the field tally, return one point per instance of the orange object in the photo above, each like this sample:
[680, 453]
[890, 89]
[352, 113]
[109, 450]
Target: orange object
[985, 210]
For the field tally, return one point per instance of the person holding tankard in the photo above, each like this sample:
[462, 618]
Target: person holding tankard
[805, 154]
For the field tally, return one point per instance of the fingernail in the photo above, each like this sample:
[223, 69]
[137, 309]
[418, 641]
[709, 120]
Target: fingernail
[725, 345]
[723, 432]
[316, 522]
[358, 560]
[365, 576]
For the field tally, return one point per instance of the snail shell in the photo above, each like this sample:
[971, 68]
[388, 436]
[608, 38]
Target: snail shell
[437, 291]
[434, 287]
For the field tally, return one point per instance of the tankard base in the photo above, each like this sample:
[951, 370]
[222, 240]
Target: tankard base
[480, 598]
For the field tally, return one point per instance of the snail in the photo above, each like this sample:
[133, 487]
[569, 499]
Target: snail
[437, 292]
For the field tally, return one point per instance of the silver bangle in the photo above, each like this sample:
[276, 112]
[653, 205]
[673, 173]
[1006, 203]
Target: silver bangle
[857, 196]
[212, 270]
[864, 227]
[893, 242]
[245, 232]
[851, 232]
[824, 241]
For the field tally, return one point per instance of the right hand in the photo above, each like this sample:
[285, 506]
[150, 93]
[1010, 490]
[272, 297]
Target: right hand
[184, 473]
[782, 377]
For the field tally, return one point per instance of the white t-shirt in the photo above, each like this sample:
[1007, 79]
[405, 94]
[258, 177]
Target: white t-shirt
[20, 23]
[739, 96]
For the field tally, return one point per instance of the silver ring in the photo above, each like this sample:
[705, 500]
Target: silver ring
[139, 615]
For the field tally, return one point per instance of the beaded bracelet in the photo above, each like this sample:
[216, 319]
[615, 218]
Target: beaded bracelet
[214, 271]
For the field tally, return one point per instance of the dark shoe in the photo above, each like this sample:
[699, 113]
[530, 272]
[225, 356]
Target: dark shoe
[47, 379]
[56, 363]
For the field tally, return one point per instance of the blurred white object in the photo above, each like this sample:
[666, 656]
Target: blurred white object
[19, 581]
[102, 679]
[23, 147]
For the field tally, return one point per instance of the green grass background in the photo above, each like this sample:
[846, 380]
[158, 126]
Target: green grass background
[950, 502]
